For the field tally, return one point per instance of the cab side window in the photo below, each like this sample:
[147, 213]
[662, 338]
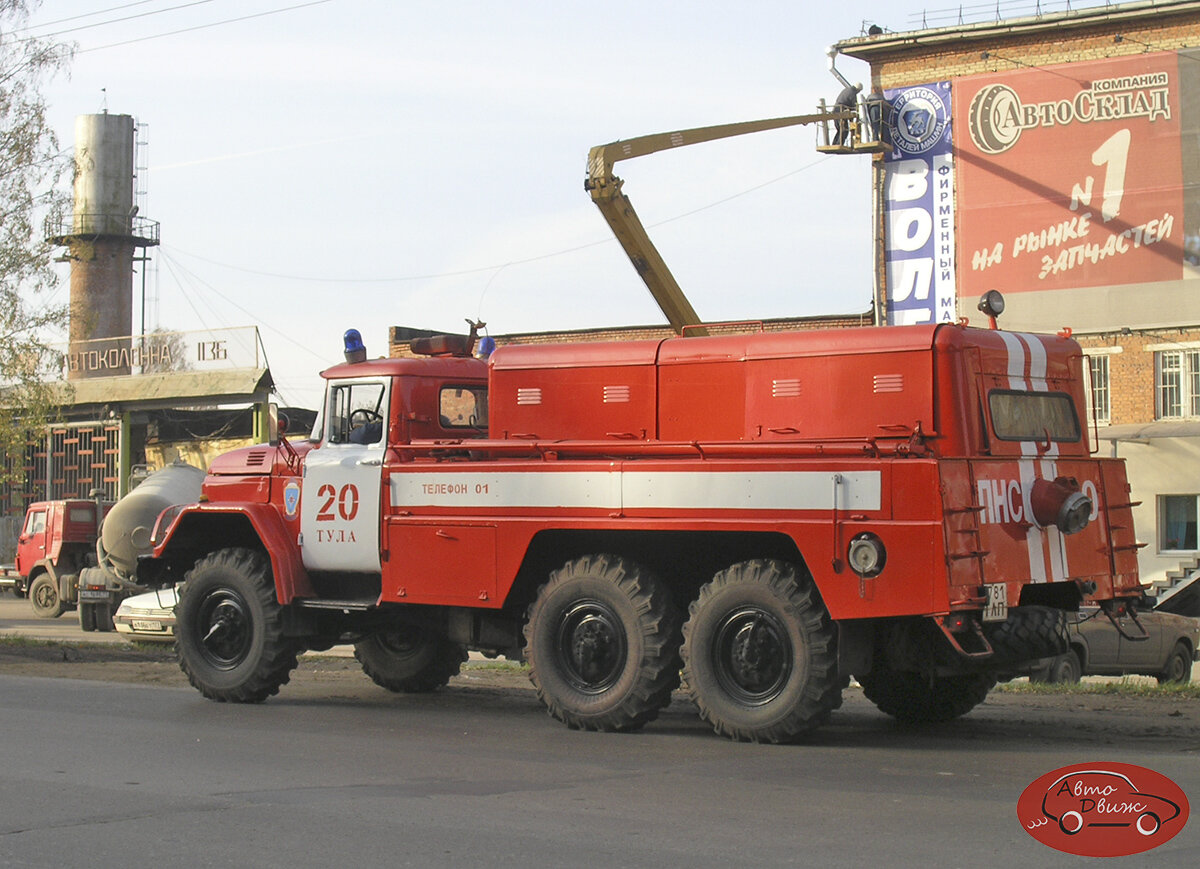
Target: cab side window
[357, 413]
[35, 524]
[463, 407]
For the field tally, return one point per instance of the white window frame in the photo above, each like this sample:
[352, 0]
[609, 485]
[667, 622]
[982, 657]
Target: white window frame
[1099, 399]
[1176, 380]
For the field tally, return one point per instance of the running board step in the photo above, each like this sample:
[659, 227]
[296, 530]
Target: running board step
[316, 603]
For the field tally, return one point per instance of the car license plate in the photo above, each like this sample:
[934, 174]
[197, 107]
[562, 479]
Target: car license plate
[93, 594]
[997, 602]
[145, 625]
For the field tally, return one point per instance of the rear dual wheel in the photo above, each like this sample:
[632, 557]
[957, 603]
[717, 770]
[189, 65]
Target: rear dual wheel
[760, 653]
[95, 617]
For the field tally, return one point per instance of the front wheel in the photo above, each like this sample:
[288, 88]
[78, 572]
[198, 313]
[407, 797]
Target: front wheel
[760, 653]
[228, 628]
[43, 596]
[602, 644]
[1178, 667]
[412, 660]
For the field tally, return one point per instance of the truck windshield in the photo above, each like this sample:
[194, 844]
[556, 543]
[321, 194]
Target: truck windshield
[1030, 416]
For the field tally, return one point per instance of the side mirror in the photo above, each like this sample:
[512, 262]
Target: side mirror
[274, 429]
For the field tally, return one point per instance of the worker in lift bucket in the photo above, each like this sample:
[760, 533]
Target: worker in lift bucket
[847, 99]
[879, 115]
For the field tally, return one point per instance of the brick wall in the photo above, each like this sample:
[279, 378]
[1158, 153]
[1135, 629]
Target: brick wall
[1131, 371]
[1068, 42]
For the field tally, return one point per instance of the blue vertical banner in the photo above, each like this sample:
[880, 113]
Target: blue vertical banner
[919, 206]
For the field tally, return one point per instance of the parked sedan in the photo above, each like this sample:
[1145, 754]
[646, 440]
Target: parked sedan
[149, 616]
[1098, 649]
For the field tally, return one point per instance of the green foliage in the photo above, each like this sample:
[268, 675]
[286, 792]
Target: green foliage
[1126, 687]
[31, 167]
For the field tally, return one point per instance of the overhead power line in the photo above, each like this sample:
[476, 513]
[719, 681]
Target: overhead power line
[81, 15]
[115, 20]
[205, 26]
[493, 267]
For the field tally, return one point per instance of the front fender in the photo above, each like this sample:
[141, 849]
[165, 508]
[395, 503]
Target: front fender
[202, 528]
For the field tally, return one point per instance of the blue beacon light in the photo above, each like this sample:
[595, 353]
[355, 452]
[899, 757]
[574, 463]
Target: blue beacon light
[355, 350]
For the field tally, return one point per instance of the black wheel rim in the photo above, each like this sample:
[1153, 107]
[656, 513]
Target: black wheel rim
[225, 628]
[1177, 669]
[45, 595]
[752, 656]
[591, 646]
[401, 645]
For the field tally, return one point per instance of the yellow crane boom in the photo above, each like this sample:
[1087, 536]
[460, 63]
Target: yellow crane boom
[605, 190]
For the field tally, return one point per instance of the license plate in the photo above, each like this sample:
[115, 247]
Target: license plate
[145, 625]
[93, 594]
[997, 602]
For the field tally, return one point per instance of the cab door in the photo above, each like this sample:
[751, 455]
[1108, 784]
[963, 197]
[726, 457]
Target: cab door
[31, 545]
[341, 497]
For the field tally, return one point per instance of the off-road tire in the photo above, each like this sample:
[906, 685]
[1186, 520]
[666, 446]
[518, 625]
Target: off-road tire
[44, 598]
[412, 660]
[1178, 667]
[1066, 668]
[915, 698]
[1029, 632]
[602, 644]
[228, 632]
[760, 653]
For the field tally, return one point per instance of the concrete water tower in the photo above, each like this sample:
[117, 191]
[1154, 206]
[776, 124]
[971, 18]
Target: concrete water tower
[101, 237]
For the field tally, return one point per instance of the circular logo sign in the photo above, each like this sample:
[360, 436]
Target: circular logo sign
[918, 120]
[1102, 809]
[995, 119]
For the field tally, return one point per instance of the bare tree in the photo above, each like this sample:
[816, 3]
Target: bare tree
[163, 351]
[31, 166]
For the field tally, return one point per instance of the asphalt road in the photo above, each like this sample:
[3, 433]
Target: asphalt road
[16, 619]
[106, 774]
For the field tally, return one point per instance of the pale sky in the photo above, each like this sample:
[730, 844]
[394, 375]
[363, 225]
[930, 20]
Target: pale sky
[365, 164]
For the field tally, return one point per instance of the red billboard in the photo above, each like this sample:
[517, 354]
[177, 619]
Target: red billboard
[1070, 176]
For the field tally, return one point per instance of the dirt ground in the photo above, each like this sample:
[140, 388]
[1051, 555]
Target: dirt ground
[1098, 718]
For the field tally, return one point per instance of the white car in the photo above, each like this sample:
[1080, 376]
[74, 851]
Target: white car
[149, 616]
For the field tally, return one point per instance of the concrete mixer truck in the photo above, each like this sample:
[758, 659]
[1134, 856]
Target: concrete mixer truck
[67, 557]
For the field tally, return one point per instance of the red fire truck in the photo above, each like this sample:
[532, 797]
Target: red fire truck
[768, 514]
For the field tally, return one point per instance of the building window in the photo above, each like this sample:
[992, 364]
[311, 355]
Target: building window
[1177, 522]
[1177, 374]
[1097, 389]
